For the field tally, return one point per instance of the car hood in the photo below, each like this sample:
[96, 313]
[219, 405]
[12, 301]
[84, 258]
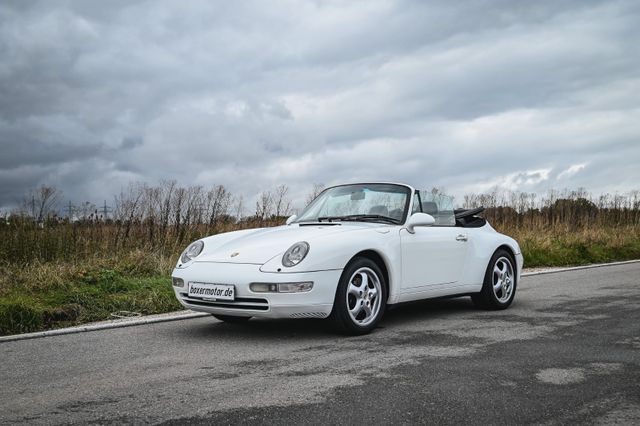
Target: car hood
[263, 244]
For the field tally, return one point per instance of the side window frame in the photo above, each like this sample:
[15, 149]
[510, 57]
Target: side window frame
[419, 209]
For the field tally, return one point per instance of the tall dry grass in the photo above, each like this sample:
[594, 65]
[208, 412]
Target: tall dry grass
[566, 227]
[158, 222]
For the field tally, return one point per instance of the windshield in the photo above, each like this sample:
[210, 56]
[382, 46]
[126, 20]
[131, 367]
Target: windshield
[375, 202]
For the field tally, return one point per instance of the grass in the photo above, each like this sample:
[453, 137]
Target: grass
[563, 248]
[82, 302]
[47, 294]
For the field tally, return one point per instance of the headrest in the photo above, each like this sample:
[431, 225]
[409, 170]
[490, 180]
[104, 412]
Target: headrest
[429, 207]
[381, 210]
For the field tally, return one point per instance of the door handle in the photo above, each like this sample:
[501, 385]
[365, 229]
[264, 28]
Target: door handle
[461, 237]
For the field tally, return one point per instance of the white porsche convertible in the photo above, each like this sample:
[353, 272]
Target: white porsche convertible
[355, 250]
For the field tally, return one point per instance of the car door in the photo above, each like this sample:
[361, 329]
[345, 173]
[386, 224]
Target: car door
[432, 257]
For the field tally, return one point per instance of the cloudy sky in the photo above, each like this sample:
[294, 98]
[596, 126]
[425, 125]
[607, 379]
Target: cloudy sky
[462, 95]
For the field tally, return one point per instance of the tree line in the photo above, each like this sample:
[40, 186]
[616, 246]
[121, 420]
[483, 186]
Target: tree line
[164, 218]
[566, 209]
[160, 217]
[166, 203]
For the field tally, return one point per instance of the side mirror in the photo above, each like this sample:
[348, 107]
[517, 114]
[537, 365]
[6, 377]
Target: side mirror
[291, 219]
[419, 219]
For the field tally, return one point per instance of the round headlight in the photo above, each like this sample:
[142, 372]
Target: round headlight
[192, 251]
[295, 254]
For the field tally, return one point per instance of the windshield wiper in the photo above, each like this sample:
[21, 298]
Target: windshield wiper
[372, 217]
[315, 222]
[329, 218]
[360, 217]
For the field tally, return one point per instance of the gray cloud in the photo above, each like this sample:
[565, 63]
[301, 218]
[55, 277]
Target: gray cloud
[466, 96]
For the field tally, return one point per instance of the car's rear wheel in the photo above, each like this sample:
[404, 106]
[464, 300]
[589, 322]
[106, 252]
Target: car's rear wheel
[499, 287]
[361, 297]
[231, 318]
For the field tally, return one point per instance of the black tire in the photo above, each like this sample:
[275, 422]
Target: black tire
[231, 319]
[341, 316]
[491, 299]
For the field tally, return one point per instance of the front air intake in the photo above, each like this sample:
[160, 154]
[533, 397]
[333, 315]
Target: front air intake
[240, 303]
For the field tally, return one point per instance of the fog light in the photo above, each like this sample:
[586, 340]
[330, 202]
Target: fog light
[263, 287]
[281, 287]
[295, 287]
[177, 282]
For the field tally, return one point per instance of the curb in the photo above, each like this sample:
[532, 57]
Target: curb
[183, 315]
[577, 268]
[106, 326]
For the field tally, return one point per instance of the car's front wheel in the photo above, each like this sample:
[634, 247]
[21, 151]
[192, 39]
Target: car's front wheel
[231, 318]
[499, 287]
[361, 297]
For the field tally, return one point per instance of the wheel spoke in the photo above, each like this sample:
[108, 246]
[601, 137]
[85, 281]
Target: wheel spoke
[373, 292]
[356, 309]
[497, 286]
[365, 281]
[497, 270]
[367, 310]
[354, 290]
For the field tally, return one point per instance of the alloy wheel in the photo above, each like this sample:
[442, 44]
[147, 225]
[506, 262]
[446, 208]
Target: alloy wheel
[503, 279]
[364, 296]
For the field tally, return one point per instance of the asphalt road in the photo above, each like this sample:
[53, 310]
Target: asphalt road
[567, 351]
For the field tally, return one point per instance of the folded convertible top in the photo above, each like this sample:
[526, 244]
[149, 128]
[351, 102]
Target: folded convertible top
[462, 213]
[467, 218]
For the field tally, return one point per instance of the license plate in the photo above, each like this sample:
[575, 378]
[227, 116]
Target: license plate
[212, 291]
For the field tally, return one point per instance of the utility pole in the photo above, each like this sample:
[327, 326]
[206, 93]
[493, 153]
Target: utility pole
[70, 210]
[105, 210]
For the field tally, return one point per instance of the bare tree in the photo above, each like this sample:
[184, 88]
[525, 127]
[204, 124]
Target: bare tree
[167, 193]
[315, 191]
[218, 201]
[177, 206]
[128, 206]
[194, 205]
[151, 207]
[264, 205]
[42, 202]
[281, 202]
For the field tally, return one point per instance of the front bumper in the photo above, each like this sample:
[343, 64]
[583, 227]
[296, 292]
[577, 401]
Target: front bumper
[519, 264]
[316, 303]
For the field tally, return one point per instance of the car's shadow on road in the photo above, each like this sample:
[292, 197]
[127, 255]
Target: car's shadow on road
[427, 309]
[314, 329]
[259, 329]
